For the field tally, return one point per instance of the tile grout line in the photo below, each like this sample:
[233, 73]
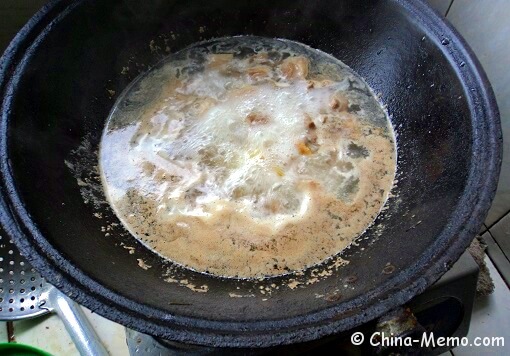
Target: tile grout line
[449, 7]
[10, 332]
[498, 220]
[496, 242]
[498, 269]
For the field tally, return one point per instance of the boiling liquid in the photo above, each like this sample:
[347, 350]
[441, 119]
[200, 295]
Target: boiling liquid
[248, 157]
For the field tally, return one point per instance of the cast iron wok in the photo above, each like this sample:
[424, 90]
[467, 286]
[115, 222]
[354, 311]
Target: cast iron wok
[57, 83]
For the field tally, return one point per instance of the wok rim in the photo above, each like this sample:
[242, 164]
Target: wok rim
[72, 281]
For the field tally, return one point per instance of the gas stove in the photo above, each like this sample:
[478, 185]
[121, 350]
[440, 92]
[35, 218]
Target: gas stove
[443, 309]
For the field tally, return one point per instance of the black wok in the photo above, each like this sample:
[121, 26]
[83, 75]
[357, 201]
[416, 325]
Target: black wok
[57, 84]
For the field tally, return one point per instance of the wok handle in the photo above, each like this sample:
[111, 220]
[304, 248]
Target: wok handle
[77, 325]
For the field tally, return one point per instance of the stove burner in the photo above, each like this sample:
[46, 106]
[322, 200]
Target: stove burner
[444, 309]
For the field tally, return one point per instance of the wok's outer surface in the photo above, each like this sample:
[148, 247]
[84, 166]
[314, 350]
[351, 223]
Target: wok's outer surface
[54, 81]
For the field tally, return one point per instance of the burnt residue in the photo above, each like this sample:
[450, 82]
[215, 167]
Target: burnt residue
[388, 269]
[357, 151]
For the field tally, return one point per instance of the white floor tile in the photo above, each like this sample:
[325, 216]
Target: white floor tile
[440, 5]
[48, 333]
[485, 26]
[3, 331]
